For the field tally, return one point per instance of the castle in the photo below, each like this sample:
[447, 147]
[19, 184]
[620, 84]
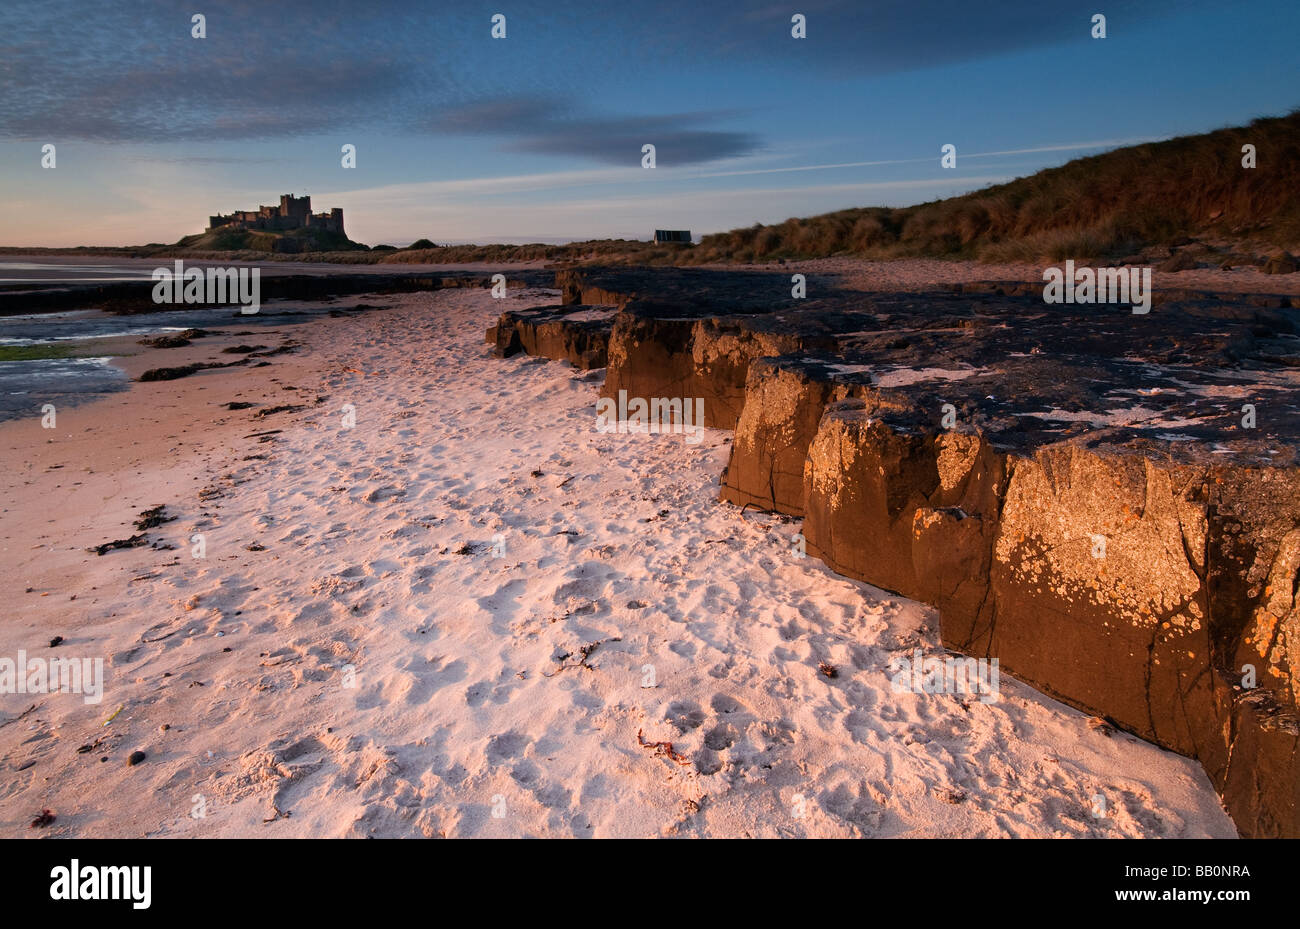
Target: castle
[292, 213]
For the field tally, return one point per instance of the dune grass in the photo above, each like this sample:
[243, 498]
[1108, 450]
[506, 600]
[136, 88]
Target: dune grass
[1107, 205]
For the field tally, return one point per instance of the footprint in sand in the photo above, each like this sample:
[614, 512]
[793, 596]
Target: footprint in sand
[432, 675]
[855, 807]
[721, 737]
[499, 693]
[781, 732]
[501, 748]
[385, 492]
[685, 715]
[727, 705]
[707, 761]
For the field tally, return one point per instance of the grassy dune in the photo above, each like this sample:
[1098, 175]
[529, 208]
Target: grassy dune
[1108, 205]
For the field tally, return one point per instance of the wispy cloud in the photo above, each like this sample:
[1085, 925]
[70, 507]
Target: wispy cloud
[1064, 147]
[549, 127]
[131, 71]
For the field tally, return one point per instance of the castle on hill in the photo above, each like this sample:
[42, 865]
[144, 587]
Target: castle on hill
[292, 213]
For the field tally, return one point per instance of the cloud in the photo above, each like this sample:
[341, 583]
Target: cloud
[548, 127]
[852, 37]
[129, 71]
[288, 96]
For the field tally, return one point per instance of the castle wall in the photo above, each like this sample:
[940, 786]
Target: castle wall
[292, 213]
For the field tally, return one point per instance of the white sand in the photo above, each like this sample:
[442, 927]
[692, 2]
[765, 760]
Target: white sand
[462, 701]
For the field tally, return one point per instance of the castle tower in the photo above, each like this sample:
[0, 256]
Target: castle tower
[295, 209]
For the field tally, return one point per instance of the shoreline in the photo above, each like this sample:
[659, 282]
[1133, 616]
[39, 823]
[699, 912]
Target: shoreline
[375, 551]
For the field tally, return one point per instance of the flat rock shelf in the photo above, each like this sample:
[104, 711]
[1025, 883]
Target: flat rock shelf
[1107, 502]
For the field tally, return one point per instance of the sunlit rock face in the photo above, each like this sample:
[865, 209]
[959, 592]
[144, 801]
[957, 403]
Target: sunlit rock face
[576, 334]
[1106, 502]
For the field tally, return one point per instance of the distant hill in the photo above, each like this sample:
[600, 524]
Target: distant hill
[290, 241]
[1104, 206]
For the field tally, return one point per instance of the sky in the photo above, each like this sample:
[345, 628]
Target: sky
[537, 137]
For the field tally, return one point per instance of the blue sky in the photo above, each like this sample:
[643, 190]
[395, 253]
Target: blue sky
[537, 137]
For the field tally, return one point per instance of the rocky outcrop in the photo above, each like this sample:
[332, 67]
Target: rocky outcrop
[783, 405]
[655, 355]
[693, 289]
[1281, 264]
[1140, 588]
[577, 334]
[879, 499]
[577, 289]
[1148, 592]
[1106, 502]
[1133, 562]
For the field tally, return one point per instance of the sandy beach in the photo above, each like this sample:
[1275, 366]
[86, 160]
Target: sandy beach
[434, 601]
